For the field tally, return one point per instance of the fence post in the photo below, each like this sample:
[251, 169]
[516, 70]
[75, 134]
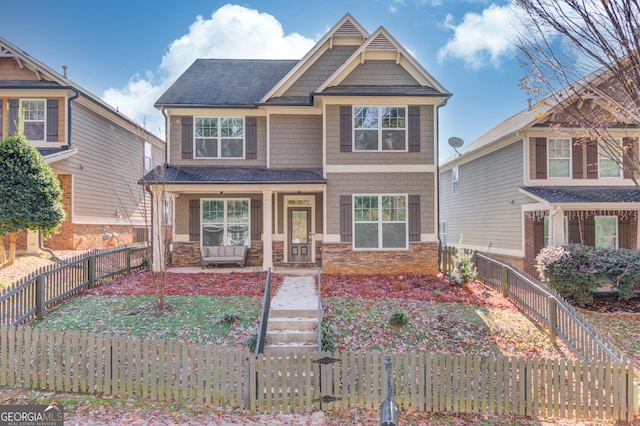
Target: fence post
[91, 265]
[246, 391]
[128, 254]
[39, 296]
[505, 281]
[553, 319]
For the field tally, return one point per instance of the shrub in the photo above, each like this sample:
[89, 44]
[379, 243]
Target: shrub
[228, 318]
[463, 268]
[328, 340]
[398, 318]
[251, 342]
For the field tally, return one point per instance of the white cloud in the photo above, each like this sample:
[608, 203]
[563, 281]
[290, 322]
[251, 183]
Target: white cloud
[231, 32]
[482, 39]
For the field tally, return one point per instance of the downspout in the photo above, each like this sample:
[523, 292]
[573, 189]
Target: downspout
[40, 238]
[437, 160]
[147, 188]
[166, 135]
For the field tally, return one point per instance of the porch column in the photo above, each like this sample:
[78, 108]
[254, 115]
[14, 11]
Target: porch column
[267, 231]
[556, 226]
[157, 232]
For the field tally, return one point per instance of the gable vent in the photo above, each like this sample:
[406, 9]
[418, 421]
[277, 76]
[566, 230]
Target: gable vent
[348, 29]
[381, 42]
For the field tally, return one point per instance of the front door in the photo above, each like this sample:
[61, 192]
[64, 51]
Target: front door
[299, 234]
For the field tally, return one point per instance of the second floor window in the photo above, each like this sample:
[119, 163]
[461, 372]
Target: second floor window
[218, 137]
[379, 128]
[34, 118]
[607, 153]
[559, 157]
[454, 180]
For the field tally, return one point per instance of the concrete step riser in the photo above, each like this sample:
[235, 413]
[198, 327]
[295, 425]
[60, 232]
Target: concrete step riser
[293, 313]
[292, 324]
[292, 337]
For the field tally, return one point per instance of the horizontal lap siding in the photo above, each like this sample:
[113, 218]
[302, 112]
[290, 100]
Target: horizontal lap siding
[421, 184]
[296, 141]
[425, 156]
[175, 146]
[483, 211]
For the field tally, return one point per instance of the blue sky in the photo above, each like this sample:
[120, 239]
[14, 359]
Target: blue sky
[129, 52]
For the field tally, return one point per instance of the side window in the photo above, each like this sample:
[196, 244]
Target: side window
[379, 128]
[34, 119]
[148, 158]
[454, 180]
[443, 232]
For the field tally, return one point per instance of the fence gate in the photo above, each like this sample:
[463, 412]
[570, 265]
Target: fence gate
[328, 390]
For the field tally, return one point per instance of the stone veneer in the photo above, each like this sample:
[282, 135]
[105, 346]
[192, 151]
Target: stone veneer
[339, 258]
[187, 253]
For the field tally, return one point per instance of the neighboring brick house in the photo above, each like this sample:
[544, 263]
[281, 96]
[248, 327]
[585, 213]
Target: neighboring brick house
[536, 180]
[329, 160]
[96, 152]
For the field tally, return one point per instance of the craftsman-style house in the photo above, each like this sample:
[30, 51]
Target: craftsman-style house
[96, 152]
[329, 160]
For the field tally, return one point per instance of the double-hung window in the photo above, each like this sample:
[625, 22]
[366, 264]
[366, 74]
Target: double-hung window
[34, 118]
[607, 153]
[380, 222]
[225, 222]
[606, 231]
[559, 157]
[148, 156]
[219, 137]
[379, 128]
[454, 180]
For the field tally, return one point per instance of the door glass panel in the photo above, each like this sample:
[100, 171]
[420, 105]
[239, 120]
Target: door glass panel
[299, 233]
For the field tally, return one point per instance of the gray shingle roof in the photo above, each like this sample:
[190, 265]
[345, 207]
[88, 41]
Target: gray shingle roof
[231, 175]
[585, 194]
[225, 82]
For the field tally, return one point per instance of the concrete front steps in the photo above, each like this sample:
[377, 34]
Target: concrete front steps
[291, 331]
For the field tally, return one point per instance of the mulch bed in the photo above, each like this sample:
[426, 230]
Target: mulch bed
[611, 303]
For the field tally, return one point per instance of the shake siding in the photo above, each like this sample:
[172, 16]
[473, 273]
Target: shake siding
[379, 73]
[483, 211]
[105, 170]
[321, 69]
[421, 184]
[175, 146]
[425, 156]
[62, 117]
[296, 141]
[11, 70]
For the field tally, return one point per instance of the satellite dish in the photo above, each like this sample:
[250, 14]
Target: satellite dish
[456, 143]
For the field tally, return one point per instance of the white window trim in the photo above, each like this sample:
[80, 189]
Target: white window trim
[218, 138]
[380, 128]
[620, 175]
[23, 120]
[617, 241]
[559, 158]
[225, 223]
[380, 222]
[148, 156]
[455, 180]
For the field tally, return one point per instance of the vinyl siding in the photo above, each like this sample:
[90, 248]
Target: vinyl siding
[175, 146]
[379, 73]
[296, 141]
[425, 156]
[488, 207]
[421, 184]
[321, 69]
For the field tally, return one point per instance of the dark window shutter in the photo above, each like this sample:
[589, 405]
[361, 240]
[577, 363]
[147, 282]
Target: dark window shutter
[413, 127]
[629, 155]
[541, 158]
[589, 231]
[256, 219]
[194, 220]
[346, 143]
[187, 137]
[1, 120]
[538, 237]
[575, 236]
[414, 218]
[346, 217]
[592, 159]
[52, 120]
[624, 233]
[251, 138]
[576, 154]
[14, 106]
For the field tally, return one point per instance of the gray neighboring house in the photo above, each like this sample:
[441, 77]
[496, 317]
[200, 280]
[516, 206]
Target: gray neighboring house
[536, 180]
[327, 161]
[96, 152]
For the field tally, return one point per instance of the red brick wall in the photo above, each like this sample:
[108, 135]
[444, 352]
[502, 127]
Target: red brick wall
[339, 258]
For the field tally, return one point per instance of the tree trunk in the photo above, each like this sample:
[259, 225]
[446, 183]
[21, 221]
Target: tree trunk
[3, 253]
[13, 236]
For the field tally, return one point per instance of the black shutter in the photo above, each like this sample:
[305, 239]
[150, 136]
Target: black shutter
[538, 236]
[52, 120]
[624, 233]
[413, 127]
[541, 158]
[346, 217]
[256, 219]
[194, 220]
[414, 218]
[592, 159]
[589, 231]
[14, 106]
[1, 120]
[628, 157]
[187, 138]
[576, 154]
[251, 138]
[346, 141]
